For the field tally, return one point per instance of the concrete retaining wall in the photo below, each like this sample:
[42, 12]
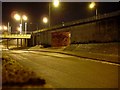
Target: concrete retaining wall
[100, 31]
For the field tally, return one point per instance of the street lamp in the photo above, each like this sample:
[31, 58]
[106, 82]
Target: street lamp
[55, 4]
[20, 18]
[17, 17]
[0, 28]
[25, 17]
[92, 5]
[45, 20]
[3, 27]
[18, 29]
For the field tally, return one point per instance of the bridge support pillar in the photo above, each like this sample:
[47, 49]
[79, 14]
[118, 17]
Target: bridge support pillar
[26, 42]
[33, 40]
[7, 44]
[17, 43]
[21, 42]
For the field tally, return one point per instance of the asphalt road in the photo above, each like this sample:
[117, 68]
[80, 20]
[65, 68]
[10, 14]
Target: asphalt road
[64, 71]
[0, 69]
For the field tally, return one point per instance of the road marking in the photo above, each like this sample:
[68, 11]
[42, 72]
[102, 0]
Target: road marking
[111, 63]
[104, 62]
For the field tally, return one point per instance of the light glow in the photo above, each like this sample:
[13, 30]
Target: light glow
[24, 17]
[45, 19]
[56, 3]
[5, 27]
[92, 5]
[0, 27]
[17, 17]
[19, 29]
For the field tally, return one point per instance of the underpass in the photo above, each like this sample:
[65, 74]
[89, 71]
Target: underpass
[14, 40]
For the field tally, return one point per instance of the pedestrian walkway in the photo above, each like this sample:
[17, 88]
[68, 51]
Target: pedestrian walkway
[86, 53]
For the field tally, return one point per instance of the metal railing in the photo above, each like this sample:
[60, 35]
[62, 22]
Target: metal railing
[94, 18]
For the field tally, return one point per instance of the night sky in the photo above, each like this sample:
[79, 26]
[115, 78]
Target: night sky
[66, 12]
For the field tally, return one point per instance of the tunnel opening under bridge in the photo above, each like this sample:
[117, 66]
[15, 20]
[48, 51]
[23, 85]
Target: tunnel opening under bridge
[61, 38]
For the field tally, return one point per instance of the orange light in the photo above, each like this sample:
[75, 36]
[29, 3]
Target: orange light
[92, 5]
[45, 19]
[24, 17]
[17, 17]
[5, 27]
[56, 3]
[0, 27]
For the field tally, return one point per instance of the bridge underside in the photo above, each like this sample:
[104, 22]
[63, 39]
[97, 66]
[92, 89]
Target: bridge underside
[14, 43]
[60, 39]
[15, 40]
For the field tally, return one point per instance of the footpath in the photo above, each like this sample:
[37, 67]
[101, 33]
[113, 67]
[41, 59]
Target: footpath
[104, 52]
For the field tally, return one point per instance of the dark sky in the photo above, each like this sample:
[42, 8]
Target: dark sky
[66, 12]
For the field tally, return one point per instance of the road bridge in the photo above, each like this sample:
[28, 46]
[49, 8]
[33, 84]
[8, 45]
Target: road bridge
[21, 39]
[101, 28]
[15, 36]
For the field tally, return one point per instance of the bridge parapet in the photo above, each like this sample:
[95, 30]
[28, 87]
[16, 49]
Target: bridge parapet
[81, 21]
[15, 36]
[94, 18]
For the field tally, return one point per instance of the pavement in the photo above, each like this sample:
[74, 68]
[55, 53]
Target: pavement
[109, 55]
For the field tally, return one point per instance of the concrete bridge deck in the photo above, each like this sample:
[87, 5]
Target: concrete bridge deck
[15, 36]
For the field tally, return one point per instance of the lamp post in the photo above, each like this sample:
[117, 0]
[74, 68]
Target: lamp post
[25, 27]
[20, 18]
[92, 5]
[55, 4]
[25, 19]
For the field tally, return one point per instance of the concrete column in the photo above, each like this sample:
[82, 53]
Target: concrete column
[33, 40]
[25, 41]
[7, 44]
[21, 43]
[46, 37]
[17, 42]
[36, 40]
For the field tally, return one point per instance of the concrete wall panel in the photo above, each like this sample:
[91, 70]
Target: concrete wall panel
[104, 30]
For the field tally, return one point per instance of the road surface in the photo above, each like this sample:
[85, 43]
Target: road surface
[65, 71]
